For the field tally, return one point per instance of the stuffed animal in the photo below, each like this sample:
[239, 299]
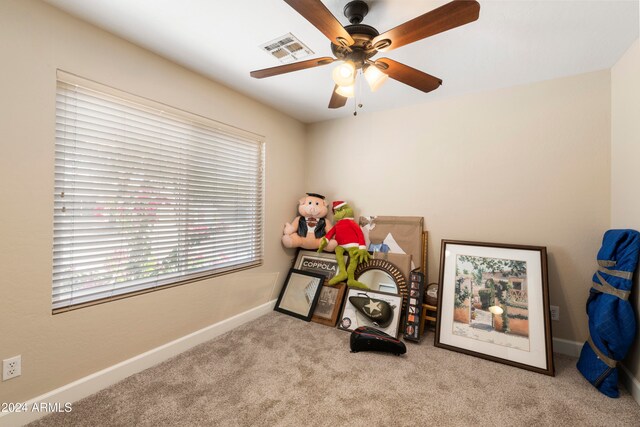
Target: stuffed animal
[350, 239]
[306, 230]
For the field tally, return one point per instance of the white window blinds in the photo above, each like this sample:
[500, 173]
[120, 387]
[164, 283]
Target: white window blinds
[146, 198]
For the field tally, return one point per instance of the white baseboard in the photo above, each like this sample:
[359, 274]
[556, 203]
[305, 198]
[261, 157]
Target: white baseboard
[630, 383]
[566, 347]
[95, 382]
[573, 348]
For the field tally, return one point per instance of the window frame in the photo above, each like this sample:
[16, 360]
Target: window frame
[198, 120]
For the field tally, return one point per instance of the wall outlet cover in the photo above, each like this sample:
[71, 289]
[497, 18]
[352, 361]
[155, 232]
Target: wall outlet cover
[11, 367]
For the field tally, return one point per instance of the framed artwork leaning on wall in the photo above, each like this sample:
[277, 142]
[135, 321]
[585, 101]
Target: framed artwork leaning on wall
[493, 303]
[378, 310]
[329, 304]
[300, 293]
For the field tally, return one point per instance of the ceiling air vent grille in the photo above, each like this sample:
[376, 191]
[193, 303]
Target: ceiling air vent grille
[286, 49]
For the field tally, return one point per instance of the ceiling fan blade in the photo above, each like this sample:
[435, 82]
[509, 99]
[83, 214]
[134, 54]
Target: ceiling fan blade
[337, 101]
[296, 66]
[320, 17]
[409, 76]
[451, 15]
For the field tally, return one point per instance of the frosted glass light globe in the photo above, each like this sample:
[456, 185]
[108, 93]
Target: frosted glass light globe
[344, 74]
[346, 91]
[375, 77]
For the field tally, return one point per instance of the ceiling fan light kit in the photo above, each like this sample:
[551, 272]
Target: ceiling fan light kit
[344, 74]
[357, 43]
[375, 77]
[346, 91]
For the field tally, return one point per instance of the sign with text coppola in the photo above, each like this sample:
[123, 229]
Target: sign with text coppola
[324, 263]
[326, 267]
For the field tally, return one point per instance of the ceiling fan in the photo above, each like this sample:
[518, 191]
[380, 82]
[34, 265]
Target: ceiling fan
[357, 43]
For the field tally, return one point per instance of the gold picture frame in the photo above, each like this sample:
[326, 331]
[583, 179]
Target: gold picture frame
[329, 304]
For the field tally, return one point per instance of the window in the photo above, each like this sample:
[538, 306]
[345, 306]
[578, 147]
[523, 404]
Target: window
[147, 196]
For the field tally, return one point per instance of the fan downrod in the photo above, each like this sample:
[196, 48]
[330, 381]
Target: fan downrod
[355, 11]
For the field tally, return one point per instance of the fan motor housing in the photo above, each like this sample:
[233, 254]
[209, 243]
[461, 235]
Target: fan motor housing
[362, 49]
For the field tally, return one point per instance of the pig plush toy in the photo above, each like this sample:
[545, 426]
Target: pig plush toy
[306, 230]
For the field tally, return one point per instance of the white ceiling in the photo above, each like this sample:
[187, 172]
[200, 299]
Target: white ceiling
[513, 42]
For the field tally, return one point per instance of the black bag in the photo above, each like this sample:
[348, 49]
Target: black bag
[366, 338]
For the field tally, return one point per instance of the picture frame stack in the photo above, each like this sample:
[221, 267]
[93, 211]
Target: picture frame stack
[331, 298]
[492, 300]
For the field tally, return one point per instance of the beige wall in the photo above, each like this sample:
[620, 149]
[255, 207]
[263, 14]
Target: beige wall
[526, 165]
[35, 39]
[625, 155]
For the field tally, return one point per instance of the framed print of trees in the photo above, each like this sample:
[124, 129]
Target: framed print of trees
[494, 303]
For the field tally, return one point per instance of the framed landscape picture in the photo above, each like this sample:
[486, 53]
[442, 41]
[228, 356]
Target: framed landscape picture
[329, 304]
[300, 293]
[378, 310]
[494, 303]
[323, 263]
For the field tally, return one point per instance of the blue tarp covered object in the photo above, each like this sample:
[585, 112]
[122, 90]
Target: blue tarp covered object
[612, 324]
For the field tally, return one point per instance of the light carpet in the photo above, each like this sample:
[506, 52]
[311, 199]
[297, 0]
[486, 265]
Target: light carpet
[281, 371]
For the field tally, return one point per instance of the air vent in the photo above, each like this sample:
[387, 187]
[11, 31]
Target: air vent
[286, 49]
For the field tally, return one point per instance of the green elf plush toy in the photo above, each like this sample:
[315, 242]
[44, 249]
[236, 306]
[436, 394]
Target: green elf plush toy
[350, 238]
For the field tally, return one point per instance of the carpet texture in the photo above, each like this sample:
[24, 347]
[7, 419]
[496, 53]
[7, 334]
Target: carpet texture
[281, 371]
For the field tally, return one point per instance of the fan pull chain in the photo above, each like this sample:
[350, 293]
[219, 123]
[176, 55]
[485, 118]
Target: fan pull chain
[355, 97]
[356, 89]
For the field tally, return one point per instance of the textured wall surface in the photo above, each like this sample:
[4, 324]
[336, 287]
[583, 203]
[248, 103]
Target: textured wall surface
[625, 154]
[526, 165]
[35, 40]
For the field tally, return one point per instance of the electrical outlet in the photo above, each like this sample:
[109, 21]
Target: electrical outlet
[555, 312]
[11, 368]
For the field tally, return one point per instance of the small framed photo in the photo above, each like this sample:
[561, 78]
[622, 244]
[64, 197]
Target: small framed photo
[379, 310]
[431, 294]
[329, 304]
[494, 303]
[323, 263]
[412, 330]
[300, 293]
